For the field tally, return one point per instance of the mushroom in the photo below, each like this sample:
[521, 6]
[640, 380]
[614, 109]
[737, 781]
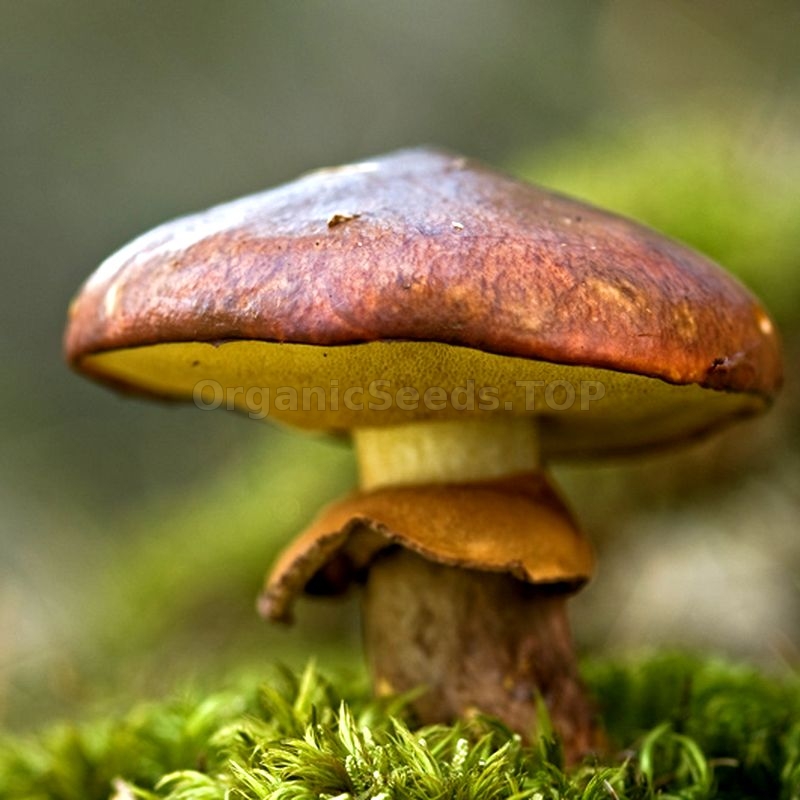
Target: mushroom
[463, 328]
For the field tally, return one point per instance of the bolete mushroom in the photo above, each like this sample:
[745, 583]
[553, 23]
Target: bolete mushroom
[464, 327]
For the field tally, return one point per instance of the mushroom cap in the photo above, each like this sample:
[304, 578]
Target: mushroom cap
[517, 525]
[426, 269]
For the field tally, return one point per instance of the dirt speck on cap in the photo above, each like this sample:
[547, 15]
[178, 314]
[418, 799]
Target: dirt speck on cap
[338, 219]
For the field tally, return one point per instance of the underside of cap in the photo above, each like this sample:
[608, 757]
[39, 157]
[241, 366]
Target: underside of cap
[423, 246]
[583, 411]
[518, 525]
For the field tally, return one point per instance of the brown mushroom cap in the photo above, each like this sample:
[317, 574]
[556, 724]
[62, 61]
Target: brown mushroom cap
[426, 269]
[516, 525]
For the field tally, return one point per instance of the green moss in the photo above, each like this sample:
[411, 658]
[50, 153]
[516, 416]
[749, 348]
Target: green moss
[679, 727]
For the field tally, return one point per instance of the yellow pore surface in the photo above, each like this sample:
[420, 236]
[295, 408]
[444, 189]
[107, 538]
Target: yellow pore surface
[581, 410]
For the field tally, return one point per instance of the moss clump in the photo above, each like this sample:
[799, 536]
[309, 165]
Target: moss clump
[679, 727]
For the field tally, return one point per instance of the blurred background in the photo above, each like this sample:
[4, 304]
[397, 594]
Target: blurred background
[134, 537]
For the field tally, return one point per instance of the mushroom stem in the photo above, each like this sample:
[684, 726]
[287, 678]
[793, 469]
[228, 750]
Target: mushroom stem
[476, 641]
[452, 451]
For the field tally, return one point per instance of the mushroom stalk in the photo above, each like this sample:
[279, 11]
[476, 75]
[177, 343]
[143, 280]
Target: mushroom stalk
[475, 642]
[451, 451]
[473, 639]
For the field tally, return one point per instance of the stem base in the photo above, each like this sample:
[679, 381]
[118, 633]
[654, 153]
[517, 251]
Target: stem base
[477, 641]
